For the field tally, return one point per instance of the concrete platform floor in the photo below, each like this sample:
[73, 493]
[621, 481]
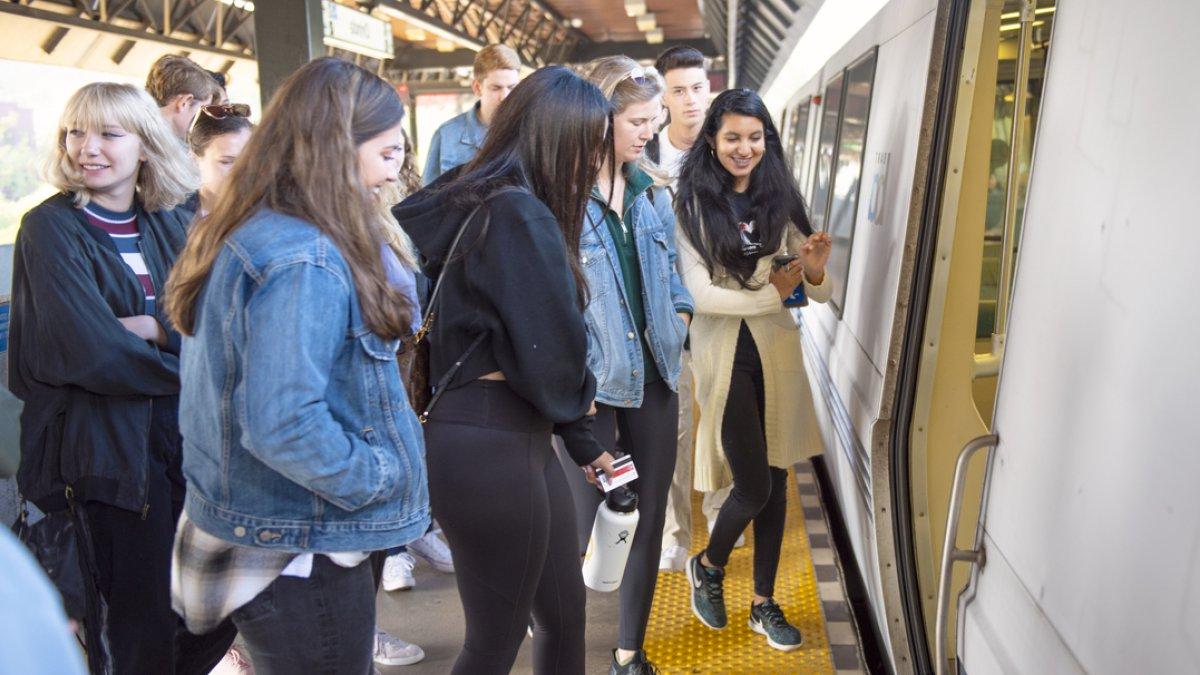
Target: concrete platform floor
[431, 616]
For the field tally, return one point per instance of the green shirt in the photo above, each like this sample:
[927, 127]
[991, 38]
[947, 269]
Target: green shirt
[636, 182]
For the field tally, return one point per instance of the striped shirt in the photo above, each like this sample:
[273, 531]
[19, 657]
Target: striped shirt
[123, 229]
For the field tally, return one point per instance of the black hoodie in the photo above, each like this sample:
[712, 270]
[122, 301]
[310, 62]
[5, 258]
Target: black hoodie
[513, 284]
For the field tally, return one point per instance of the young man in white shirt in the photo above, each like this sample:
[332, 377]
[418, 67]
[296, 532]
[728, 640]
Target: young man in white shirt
[686, 99]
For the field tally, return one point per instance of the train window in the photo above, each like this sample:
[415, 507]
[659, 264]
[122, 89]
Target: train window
[1005, 206]
[799, 140]
[852, 138]
[826, 147]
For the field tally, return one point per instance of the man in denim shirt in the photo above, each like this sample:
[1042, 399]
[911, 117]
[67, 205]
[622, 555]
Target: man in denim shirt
[497, 71]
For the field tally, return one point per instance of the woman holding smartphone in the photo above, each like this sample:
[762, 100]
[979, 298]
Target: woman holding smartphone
[739, 211]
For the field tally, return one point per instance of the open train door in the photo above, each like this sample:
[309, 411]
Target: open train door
[1089, 540]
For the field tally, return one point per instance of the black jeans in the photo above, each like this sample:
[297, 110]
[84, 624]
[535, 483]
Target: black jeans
[505, 509]
[323, 625]
[759, 490]
[133, 560]
[649, 434]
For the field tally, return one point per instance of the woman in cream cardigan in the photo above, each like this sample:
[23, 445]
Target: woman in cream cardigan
[745, 244]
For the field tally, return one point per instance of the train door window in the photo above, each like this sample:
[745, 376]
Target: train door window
[799, 140]
[1005, 203]
[852, 138]
[826, 148]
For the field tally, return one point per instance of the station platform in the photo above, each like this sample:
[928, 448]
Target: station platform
[809, 589]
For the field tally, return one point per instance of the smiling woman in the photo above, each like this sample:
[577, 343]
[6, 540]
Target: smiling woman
[100, 423]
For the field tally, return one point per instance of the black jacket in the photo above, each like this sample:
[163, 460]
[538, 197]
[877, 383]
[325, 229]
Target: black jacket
[514, 284]
[98, 399]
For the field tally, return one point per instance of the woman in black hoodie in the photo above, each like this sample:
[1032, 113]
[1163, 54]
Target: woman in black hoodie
[508, 331]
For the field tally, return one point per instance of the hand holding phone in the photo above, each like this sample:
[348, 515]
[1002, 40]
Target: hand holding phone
[781, 260]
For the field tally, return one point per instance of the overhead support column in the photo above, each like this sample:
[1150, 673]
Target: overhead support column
[288, 34]
[731, 27]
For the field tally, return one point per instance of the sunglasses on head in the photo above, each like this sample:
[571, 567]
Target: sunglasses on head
[220, 111]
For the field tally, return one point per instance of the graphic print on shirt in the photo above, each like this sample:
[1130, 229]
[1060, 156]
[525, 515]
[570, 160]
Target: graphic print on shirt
[751, 239]
[122, 228]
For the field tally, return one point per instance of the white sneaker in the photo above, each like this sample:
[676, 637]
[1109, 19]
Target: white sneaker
[392, 651]
[673, 559]
[398, 572]
[434, 551]
[741, 540]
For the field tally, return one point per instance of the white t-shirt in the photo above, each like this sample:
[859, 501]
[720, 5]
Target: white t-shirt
[669, 157]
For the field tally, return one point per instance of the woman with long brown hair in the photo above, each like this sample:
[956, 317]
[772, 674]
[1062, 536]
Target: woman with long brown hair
[300, 449]
[509, 351]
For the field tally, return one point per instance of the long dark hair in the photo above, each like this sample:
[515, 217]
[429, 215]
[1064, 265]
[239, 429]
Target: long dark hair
[706, 189]
[547, 137]
[312, 176]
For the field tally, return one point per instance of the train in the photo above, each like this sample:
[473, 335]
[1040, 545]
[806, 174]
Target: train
[1003, 380]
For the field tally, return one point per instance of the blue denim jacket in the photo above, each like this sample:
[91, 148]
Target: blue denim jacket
[614, 350]
[297, 433]
[454, 144]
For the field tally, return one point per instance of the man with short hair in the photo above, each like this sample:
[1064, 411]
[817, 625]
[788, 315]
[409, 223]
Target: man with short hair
[180, 87]
[686, 99]
[497, 71]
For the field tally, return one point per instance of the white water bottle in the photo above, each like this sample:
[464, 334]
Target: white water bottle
[612, 536]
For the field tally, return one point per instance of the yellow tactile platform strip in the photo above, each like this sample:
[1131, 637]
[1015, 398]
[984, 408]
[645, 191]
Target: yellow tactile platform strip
[678, 643]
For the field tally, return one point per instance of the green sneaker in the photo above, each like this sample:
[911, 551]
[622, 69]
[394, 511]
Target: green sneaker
[767, 619]
[708, 594]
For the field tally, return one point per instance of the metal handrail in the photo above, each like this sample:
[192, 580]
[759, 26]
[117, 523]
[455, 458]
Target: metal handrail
[951, 553]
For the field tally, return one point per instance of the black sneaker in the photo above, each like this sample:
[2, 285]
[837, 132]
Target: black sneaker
[708, 594]
[638, 665]
[767, 619]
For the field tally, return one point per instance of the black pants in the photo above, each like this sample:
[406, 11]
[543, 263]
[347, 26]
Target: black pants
[649, 434]
[133, 558]
[505, 509]
[759, 490]
[323, 624]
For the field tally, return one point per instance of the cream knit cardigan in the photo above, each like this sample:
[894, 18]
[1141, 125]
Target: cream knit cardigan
[721, 305]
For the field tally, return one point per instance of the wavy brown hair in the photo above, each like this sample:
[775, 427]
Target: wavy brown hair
[302, 161]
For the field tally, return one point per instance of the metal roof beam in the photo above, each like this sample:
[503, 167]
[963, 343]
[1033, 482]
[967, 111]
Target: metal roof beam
[638, 50]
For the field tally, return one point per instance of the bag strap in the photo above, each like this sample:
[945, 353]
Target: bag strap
[440, 387]
[448, 376]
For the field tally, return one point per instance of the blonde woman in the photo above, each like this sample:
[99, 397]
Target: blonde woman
[97, 362]
[637, 316]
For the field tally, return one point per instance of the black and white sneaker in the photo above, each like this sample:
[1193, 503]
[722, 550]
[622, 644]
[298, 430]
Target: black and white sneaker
[708, 593]
[638, 665]
[767, 619]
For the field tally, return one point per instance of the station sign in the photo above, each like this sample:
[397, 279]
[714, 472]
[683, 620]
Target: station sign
[355, 31]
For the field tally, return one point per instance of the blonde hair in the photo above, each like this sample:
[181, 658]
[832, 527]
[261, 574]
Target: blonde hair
[167, 176]
[173, 75]
[495, 57]
[624, 83]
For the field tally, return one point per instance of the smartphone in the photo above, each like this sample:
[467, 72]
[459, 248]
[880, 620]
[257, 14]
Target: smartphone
[781, 260]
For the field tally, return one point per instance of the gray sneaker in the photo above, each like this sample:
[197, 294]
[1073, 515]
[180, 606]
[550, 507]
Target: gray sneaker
[708, 594]
[767, 619]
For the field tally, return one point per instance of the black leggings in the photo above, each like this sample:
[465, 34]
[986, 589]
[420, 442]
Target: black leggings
[505, 509]
[759, 490]
[648, 434]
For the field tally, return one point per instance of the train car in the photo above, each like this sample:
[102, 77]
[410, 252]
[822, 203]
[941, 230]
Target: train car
[1002, 378]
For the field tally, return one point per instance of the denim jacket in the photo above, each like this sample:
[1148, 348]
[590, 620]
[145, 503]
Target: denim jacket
[454, 144]
[614, 348]
[297, 433]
